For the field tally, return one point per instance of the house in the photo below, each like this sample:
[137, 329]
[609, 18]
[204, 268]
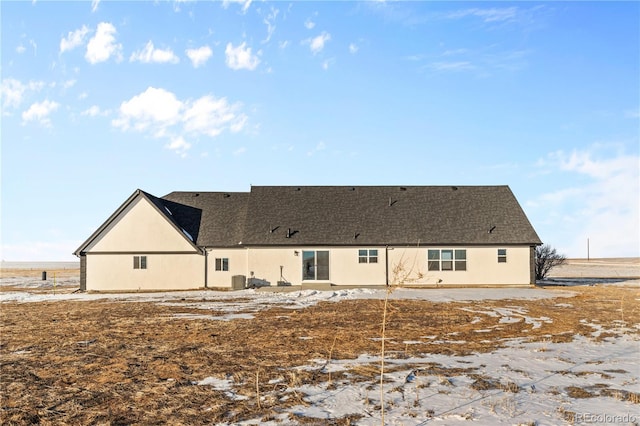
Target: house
[313, 236]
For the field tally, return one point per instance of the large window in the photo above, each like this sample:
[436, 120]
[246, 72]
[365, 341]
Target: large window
[222, 264]
[368, 256]
[315, 265]
[139, 262]
[502, 255]
[447, 260]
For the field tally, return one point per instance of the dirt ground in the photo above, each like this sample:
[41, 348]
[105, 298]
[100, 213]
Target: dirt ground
[106, 362]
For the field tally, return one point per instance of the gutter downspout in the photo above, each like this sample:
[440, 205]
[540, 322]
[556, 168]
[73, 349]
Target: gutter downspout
[386, 266]
[205, 269]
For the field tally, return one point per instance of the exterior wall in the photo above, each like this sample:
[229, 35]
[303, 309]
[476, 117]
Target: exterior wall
[140, 228]
[344, 268]
[482, 267]
[109, 272]
[237, 266]
[406, 265]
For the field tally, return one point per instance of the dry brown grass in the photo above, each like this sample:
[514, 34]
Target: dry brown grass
[33, 273]
[133, 363]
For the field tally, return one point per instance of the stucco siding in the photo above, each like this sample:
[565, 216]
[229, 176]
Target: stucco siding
[344, 268]
[482, 267]
[140, 228]
[265, 264]
[109, 272]
[236, 260]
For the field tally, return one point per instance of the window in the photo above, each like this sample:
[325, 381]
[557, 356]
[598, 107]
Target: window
[139, 262]
[433, 260]
[502, 255]
[447, 260]
[222, 264]
[461, 260]
[368, 256]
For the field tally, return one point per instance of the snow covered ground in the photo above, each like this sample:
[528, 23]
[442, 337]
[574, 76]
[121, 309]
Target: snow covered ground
[590, 380]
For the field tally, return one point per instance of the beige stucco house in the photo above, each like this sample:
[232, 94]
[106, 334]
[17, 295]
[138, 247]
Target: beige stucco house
[313, 236]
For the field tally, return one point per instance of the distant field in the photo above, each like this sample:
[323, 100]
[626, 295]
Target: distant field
[623, 267]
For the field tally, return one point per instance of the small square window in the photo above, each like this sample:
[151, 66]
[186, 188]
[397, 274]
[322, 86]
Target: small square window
[222, 264]
[502, 255]
[368, 256]
[139, 262]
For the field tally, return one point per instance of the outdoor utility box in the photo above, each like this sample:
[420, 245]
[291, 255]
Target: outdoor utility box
[238, 282]
[44, 275]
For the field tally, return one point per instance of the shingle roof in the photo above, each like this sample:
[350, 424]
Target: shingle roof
[385, 215]
[216, 218]
[344, 215]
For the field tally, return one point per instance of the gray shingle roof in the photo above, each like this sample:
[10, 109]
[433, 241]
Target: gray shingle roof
[216, 218]
[344, 215]
[385, 215]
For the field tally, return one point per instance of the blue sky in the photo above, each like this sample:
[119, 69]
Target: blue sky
[101, 98]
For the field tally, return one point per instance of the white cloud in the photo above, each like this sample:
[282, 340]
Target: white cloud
[149, 54]
[606, 206]
[309, 24]
[353, 48]
[94, 5]
[161, 114]
[40, 112]
[154, 108]
[270, 22]
[451, 66]
[210, 116]
[68, 84]
[20, 49]
[13, 91]
[243, 3]
[240, 57]
[102, 45]
[199, 56]
[316, 44]
[321, 146]
[240, 151]
[73, 39]
[94, 111]
[327, 63]
[487, 15]
[179, 146]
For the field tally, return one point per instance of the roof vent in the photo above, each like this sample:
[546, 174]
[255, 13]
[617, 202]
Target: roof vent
[455, 188]
[298, 189]
[493, 227]
[356, 235]
[196, 194]
[392, 201]
[272, 230]
[226, 195]
[403, 188]
[288, 232]
[353, 188]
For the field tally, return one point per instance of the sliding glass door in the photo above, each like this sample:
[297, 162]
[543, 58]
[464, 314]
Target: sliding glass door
[315, 265]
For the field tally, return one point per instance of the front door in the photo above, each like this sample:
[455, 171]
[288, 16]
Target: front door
[315, 265]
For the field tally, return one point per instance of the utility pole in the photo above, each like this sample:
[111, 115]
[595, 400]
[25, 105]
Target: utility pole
[587, 249]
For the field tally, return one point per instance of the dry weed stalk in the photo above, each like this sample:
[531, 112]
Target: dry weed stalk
[401, 275]
[258, 388]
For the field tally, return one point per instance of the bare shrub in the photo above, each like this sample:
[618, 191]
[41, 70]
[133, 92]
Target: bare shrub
[547, 258]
